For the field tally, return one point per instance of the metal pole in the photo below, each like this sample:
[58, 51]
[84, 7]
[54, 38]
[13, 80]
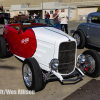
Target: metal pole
[69, 12]
[42, 9]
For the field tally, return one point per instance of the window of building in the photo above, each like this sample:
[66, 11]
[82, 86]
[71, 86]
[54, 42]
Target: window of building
[95, 19]
[51, 12]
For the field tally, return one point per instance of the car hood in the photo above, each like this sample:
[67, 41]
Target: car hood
[51, 34]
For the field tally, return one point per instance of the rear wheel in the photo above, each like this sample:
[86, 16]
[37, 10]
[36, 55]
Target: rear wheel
[32, 74]
[80, 38]
[3, 47]
[93, 62]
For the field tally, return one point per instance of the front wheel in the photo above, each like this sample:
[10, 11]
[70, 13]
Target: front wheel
[93, 62]
[32, 74]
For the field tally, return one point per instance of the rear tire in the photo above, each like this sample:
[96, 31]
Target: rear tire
[96, 61]
[34, 74]
[3, 47]
[80, 38]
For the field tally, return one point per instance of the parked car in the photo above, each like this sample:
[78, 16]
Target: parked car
[89, 32]
[47, 53]
[18, 19]
[4, 17]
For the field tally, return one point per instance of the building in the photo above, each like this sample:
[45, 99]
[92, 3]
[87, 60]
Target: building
[76, 9]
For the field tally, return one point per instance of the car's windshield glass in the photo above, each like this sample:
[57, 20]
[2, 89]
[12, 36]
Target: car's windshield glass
[49, 22]
[26, 24]
[95, 19]
[40, 22]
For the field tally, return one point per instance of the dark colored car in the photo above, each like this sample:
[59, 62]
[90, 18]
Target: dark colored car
[3, 17]
[89, 32]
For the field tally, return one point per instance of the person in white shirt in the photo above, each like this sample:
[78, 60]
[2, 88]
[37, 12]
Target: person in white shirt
[34, 15]
[63, 21]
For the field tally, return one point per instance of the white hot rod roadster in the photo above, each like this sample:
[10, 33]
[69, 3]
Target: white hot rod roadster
[47, 53]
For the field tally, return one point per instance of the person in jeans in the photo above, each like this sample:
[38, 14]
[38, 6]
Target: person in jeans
[29, 15]
[56, 19]
[63, 21]
[45, 17]
[38, 16]
[48, 16]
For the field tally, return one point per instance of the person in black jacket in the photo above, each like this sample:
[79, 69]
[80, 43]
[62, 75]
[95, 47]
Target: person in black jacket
[38, 16]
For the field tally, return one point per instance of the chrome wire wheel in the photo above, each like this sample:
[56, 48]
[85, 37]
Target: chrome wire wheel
[27, 75]
[77, 37]
[91, 64]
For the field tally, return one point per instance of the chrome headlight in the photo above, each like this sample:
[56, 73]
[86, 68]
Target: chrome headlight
[81, 59]
[54, 64]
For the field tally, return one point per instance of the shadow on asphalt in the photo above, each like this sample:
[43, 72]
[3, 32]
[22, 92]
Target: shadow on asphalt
[67, 83]
[2, 60]
[8, 67]
[90, 91]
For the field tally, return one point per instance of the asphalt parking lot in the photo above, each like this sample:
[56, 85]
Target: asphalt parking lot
[11, 78]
